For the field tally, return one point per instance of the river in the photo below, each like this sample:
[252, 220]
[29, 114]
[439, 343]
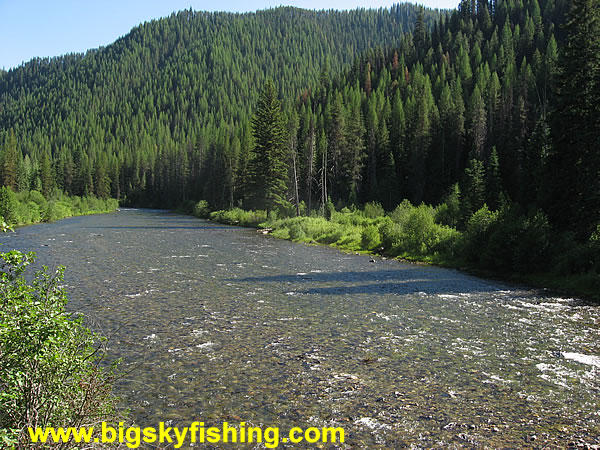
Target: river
[218, 323]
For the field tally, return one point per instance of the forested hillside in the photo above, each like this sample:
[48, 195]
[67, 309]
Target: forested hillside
[489, 114]
[163, 113]
[474, 93]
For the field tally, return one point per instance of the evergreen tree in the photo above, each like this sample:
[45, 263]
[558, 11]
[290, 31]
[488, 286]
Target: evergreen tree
[473, 189]
[10, 162]
[493, 181]
[573, 180]
[268, 163]
[46, 176]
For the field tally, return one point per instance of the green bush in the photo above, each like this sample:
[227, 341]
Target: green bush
[9, 205]
[391, 234]
[23, 213]
[296, 231]
[401, 212]
[419, 231]
[477, 233]
[373, 210]
[370, 238]
[38, 198]
[34, 211]
[237, 216]
[532, 243]
[51, 373]
[56, 210]
[202, 209]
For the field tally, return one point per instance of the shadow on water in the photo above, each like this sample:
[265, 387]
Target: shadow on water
[378, 282]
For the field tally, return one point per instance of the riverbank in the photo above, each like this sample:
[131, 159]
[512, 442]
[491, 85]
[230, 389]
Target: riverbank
[31, 207]
[500, 245]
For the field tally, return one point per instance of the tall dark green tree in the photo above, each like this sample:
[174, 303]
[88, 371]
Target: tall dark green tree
[9, 163]
[268, 168]
[573, 179]
[46, 175]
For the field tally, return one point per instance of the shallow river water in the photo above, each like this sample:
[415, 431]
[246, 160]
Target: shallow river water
[217, 323]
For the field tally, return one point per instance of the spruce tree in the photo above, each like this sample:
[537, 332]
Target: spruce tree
[268, 165]
[10, 162]
[573, 178]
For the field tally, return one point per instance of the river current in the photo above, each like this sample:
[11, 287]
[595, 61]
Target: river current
[217, 323]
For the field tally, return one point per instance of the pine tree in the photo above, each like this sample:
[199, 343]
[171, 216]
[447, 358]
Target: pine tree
[268, 164]
[46, 175]
[10, 163]
[473, 189]
[573, 178]
[493, 181]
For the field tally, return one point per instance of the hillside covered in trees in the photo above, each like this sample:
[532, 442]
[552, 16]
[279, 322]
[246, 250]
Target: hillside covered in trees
[163, 113]
[489, 113]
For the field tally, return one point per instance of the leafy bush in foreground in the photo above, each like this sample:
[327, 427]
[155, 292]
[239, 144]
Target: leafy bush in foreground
[50, 362]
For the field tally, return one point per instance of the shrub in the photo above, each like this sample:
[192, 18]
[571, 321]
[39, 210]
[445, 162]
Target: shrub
[390, 233]
[296, 232]
[56, 210]
[419, 231]
[477, 233]
[401, 211]
[533, 243]
[237, 216]
[448, 213]
[23, 213]
[370, 238]
[9, 205]
[51, 373]
[202, 209]
[373, 210]
[34, 211]
[38, 198]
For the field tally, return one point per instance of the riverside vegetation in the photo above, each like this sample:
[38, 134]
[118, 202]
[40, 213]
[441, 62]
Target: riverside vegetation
[29, 207]
[51, 363]
[508, 242]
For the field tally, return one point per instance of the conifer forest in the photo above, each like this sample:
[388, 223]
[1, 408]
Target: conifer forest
[488, 116]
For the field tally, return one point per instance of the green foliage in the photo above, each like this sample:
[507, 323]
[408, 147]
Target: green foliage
[370, 238]
[373, 210]
[477, 233]
[449, 212]
[29, 207]
[237, 216]
[167, 107]
[409, 231]
[267, 180]
[410, 118]
[572, 194]
[56, 211]
[9, 205]
[202, 209]
[51, 363]
[509, 240]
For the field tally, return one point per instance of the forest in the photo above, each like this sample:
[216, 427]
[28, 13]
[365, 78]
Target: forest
[488, 116]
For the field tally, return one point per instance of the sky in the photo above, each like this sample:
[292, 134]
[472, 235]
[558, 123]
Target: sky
[42, 28]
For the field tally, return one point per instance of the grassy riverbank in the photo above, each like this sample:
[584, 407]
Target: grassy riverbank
[29, 207]
[507, 244]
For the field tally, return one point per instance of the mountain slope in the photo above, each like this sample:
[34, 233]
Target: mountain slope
[186, 82]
